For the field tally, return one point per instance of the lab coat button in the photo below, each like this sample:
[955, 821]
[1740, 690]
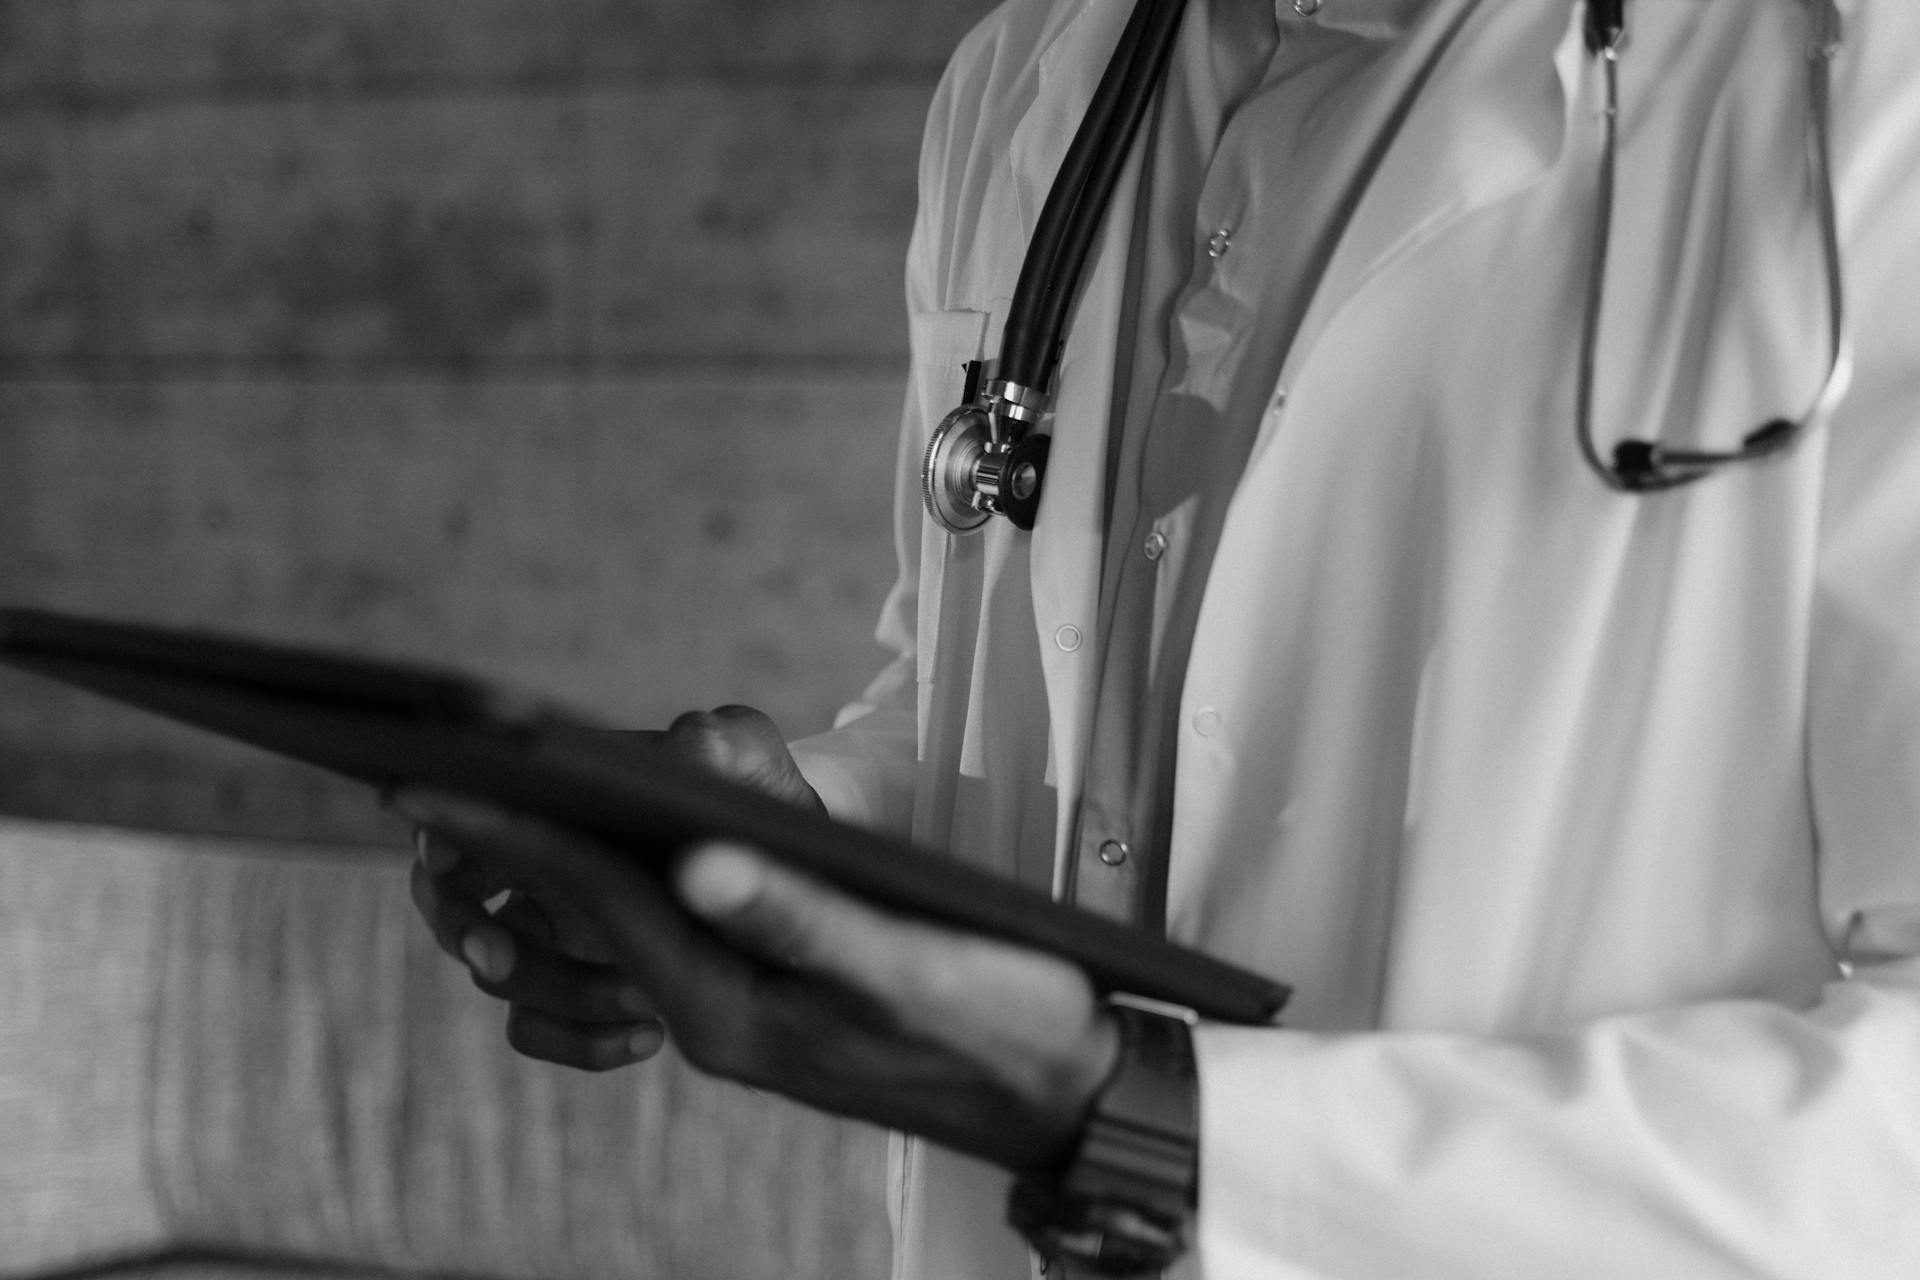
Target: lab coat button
[1067, 638]
[1113, 852]
[1206, 722]
[1155, 545]
[1219, 242]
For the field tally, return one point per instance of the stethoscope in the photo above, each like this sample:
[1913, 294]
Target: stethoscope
[987, 457]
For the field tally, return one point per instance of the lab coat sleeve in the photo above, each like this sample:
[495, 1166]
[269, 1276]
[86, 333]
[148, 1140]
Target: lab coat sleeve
[1717, 1139]
[1735, 1139]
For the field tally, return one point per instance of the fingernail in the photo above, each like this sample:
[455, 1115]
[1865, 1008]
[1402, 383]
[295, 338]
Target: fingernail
[437, 856]
[489, 953]
[719, 879]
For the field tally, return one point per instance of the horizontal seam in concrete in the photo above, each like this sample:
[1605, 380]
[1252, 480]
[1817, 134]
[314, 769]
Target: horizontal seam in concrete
[478, 368]
[111, 99]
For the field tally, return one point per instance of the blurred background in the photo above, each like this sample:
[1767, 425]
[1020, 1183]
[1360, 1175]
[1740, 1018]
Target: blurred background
[557, 339]
[561, 340]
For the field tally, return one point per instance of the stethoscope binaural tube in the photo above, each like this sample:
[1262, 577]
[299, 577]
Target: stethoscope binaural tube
[1646, 466]
[985, 458]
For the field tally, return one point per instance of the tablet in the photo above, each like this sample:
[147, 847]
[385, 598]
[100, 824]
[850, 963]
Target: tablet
[390, 724]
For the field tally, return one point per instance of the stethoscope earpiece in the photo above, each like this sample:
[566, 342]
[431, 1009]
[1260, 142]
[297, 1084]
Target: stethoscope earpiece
[1642, 466]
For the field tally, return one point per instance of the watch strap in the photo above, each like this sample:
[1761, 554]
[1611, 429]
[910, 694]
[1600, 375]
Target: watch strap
[1123, 1204]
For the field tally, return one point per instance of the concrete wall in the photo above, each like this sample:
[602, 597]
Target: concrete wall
[560, 339]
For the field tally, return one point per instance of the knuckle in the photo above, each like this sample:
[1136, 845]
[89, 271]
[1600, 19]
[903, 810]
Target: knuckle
[740, 717]
[702, 738]
[693, 725]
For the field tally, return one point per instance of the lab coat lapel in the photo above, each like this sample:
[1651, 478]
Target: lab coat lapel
[1072, 57]
[1487, 116]
[1491, 118]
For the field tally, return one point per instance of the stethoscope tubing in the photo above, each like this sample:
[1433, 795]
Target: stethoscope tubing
[986, 458]
[1076, 203]
[1640, 466]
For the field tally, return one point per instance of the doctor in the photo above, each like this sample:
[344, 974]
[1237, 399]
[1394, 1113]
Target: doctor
[1586, 825]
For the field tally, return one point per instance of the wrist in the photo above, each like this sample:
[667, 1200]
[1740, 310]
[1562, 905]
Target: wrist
[1122, 1198]
[1077, 1088]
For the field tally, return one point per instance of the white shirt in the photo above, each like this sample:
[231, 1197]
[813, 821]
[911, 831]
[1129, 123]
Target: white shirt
[1558, 808]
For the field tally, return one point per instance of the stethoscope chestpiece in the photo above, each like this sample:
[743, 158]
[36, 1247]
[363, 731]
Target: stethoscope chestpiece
[986, 459]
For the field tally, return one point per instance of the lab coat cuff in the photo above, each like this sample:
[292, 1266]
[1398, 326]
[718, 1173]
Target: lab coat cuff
[856, 783]
[1258, 1122]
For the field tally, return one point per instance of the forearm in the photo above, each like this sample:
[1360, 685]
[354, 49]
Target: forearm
[1734, 1138]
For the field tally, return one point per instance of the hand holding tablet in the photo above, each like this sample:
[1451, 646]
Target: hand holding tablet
[396, 725]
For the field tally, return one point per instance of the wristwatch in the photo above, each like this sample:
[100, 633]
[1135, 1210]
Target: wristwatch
[1123, 1203]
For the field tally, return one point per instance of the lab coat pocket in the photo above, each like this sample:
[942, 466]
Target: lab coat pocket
[943, 343]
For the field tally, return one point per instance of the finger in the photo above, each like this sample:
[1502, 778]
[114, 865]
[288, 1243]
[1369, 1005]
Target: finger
[732, 741]
[518, 967]
[558, 924]
[585, 1046]
[439, 857]
[575, 990]
[439, 853]
[708, 992]
[527, 918]
[463, 927]
[794, 921]
[515, 848]
[452, 915]
[744, 745]
[928, 974]
[514, 966]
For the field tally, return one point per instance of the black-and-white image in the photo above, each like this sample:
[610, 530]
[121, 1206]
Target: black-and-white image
[1222, 639]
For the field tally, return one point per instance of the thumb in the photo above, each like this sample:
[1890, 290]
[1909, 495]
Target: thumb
[738, 892]
[1034, 1015]
[790, 919]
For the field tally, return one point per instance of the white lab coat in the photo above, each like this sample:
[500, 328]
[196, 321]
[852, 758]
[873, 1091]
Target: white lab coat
[1561, 809]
